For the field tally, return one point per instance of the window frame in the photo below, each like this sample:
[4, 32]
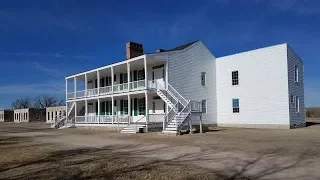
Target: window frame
[235, 78]
[235, 109]
[297, 104]
[204, 105]
[296, 73]
[203, 78]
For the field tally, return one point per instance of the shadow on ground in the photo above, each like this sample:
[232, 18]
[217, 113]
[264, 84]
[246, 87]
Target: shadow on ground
[130, 162]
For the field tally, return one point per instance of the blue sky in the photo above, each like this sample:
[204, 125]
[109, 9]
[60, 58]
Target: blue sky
[43, 41]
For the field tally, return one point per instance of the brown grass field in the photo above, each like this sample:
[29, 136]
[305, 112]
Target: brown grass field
[34, 151]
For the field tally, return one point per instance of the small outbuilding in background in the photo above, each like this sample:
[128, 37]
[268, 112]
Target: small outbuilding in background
[6, 115]
[29, 115]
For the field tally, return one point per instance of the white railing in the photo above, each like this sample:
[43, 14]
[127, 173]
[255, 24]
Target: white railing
[175, 93]
[120, 88]
[156, 84]
[137, 85]
[71, 95]
[186, 110]
[106, 90]
[80, 94]
[70, 107]
[92, 92]
[105, 119]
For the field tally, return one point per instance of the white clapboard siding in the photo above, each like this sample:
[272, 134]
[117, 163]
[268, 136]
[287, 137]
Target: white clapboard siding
[262, 89]
[184, 75]
[296, 88]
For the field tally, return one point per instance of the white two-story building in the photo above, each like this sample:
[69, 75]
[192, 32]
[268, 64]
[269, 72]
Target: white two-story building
[172, 89]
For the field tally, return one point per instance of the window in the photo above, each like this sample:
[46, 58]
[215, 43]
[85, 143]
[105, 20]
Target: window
[297, 104]
[235, 106]
[114, 77]
[154, 107]
[235, 78]
[125, 106]
[141, 74]
[204, 106]
[203, 78]
[296, 73]
[142, 106]
[292, 99]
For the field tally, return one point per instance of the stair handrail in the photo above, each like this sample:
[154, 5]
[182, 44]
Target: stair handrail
[167, 114]
[181, 97]
[189, 111]
[136, 123]
[126, 116]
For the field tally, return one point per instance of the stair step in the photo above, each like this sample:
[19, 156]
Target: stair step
[170, 129]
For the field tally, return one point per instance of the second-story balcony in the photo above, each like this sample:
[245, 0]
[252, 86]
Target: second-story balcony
[108, 90]
[140, 73]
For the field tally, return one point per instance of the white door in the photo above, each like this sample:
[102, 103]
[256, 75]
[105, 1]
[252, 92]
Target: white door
[158, 77]
[91, 109]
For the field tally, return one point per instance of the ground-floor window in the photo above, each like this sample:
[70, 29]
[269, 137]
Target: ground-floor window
[142, 106]
[235, 106]
[297, 104]
[204, 106]
[123, 106]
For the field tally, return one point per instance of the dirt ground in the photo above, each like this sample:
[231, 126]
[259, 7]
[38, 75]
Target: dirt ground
[34, 151]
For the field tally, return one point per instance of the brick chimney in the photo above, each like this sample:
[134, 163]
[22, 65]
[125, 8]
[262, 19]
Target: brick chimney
[160, 50]
[133, 49]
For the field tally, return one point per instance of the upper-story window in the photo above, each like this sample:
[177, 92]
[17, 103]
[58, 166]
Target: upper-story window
[203, 78]
[235, 78]
[296, 73]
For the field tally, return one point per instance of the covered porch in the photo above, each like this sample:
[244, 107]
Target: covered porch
[130, 108]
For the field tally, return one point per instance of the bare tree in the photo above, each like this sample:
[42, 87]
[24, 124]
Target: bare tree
[45, 100]
[22, 103]
[61, 103]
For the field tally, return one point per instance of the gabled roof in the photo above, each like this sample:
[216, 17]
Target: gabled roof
[181, 47]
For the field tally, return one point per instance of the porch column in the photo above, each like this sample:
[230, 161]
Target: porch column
[112, 76]
[167, 72]
[129, 107]
[147, 110]
[86, 111]
[75, 110]
[98, 110]
[98, 82]
[128, 72]
[85, 84]
[145, 72]
[75, 87]
[66, 99]
[112, 104]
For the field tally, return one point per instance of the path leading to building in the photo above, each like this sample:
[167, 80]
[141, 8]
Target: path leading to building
[225, 153]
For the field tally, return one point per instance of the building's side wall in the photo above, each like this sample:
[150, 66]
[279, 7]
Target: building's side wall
[184, 74]
[296, 89]
[262, 90]
[21, 115]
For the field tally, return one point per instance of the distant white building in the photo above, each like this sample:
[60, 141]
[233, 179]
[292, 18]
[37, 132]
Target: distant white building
[172, 88]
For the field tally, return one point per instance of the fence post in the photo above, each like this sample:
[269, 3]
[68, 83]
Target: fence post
[190, 127]
[201, 130]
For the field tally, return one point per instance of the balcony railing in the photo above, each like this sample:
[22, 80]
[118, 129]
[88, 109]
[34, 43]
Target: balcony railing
[106, 90]
[138, 85]
[118, 88]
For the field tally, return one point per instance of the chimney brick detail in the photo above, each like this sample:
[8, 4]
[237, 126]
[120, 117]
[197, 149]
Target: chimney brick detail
[133, 49]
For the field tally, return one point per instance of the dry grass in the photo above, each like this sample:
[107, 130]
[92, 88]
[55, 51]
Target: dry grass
[32, 151]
